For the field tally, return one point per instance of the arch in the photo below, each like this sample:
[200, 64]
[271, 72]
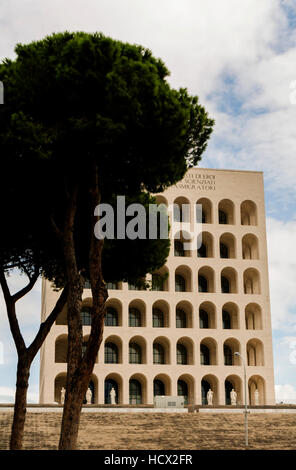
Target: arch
[208, 352]
[206, 279]
[115, 381]
[85, 315]
[137, 389]
[160, 199]
[114, 312]
[227, 246]
[180, 239]
[181, 318]
[233, 382]
[228, 281]
[185, 351]
[59, 383]
[181, 209]
[255, 352]
[250, 247]
[93, 385]
[207, 315]
[252, 281]
[256, 382]
[184, 314]
[230, 346]
[160, 279]
[61, 348]
[209, 381]
[113, 350]
[185, 387]
[226, 212]
[137, 313]
[137, 350]
[230, 316]
[253, 316]
[158, 387]
[161, 314]
[248, 213]
[206, 210]
[206, 250]
[161, 383]
[183, 277]
[161, 350]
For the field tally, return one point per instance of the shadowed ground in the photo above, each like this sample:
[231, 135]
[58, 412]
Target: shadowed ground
[158, 431]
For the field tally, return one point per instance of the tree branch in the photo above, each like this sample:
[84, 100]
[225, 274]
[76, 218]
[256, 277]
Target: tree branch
[11, 313]
[56, 229]
[47, 324]
[21, 293]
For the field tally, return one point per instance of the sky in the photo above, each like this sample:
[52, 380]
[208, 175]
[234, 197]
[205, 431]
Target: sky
[239, 57]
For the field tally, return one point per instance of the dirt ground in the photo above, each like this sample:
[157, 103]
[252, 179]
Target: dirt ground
[153, 431]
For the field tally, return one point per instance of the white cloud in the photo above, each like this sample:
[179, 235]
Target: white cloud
[281, 238]
[7, 395]
[285, 393]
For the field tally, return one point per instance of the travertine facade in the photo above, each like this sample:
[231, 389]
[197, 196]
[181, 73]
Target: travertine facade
[182, 339]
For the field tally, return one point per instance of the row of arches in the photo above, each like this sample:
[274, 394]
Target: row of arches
[227, 246]
[225, 211]
[162, 351]
[207, 280]
[184, 316]
[162, 384]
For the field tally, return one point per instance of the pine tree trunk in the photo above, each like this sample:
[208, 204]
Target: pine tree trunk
[70, 422]
[19, 416]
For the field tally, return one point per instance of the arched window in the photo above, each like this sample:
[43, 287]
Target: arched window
[158, 387]
[223, 217]
[109, 384]
[134, 317]
[205, 386]
[85, 315]
[111, 318]
[181, 318]
[135, 392]
[111, 353]
[179, 215]
[203, 319]
[203, 217]
[183, 390]
[158, 354]
[157, 318]
[224, 252]
[180, 283]
[226, 319]
[181, 354]
[178, 248]
[225, 285]
[202, 251]
[202, 284]
[204, 355]
[228, 359]
[135, 356]
[228, 388]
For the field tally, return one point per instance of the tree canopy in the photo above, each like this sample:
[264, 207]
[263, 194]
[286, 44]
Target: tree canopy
[76, 98]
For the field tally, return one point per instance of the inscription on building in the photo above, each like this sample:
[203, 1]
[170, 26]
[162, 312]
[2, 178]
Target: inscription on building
[201, 182]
